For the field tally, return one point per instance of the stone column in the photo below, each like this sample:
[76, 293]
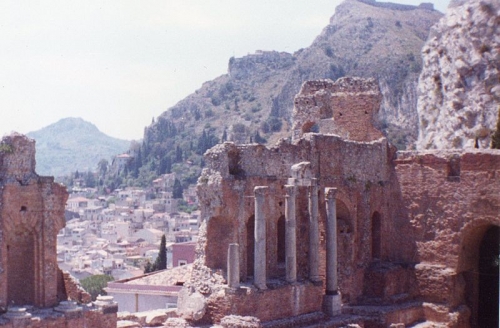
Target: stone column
[331, 241]
[260, 238]
[331, 301]
[313, 232]
[233, 266]
[290, 234]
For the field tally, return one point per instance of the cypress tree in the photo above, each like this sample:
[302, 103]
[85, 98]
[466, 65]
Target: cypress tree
[178, 154]
[161, 260]
[177, 189]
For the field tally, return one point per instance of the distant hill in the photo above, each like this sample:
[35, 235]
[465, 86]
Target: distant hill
[73, 144]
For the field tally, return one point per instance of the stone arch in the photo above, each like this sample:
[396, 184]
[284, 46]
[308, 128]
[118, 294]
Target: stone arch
[478, 236]
[344, 220]
[376, 234]
[220, 233]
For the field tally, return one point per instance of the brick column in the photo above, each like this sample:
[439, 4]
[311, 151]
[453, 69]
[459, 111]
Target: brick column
[290, 234]
[260, 238]
[313, 232]
[233, 266]
[331, 301]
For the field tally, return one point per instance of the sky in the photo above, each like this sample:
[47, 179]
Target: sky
[118, 64]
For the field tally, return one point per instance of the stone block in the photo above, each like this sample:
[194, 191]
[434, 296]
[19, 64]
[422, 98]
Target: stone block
[332, 305]
[235, 321]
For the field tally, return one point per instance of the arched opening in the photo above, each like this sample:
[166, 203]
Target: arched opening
[343, 218]
[376, 236]
[250, 227]
[488, 278]
[345, 247]
[21, 269]
[281, 240]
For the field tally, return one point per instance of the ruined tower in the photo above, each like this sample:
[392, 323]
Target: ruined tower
[31, 215]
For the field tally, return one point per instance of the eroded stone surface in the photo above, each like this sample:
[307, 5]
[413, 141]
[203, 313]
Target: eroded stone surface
[459, 90]
[234, 321]
[409, 225]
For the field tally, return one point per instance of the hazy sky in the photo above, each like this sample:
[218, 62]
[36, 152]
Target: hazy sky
[120, 63]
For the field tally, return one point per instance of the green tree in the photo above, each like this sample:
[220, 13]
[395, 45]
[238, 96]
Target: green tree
[89, 179]
[102, 167]
[495, 138]
[177, 189]
[161, 260]
[94, 285]
[148, 267]
[178, 154]
[165, 165]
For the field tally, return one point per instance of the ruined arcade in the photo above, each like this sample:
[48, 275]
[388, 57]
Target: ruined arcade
[336, 223]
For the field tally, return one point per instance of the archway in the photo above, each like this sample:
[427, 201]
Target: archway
[487, 315]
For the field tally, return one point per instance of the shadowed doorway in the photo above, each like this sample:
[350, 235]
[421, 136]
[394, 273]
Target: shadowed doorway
[488, 279]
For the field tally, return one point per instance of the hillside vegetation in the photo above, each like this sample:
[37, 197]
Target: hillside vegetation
[254, 100]
[73, 144]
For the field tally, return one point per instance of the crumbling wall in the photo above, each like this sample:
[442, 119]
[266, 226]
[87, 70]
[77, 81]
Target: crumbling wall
[346, 107]
[31, 215]
[71, 289]
[360, 170]
[450, 199]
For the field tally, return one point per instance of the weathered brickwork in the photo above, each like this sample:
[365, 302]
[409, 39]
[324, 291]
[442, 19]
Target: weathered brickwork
[33, 291]
[346, 108]
[31, 215]
[410, 225]
[452, 198]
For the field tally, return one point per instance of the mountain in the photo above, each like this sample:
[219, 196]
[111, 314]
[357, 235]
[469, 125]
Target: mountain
[253, 102]
[73, 144]
[459, 103]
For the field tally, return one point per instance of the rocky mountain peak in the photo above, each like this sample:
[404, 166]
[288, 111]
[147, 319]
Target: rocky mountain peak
[459, 88]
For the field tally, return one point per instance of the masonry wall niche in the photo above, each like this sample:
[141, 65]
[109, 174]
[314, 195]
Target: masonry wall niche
[21, 269]
[219, 232]
[344, 232]
[250, 243]
[488, 278]
[281, 241]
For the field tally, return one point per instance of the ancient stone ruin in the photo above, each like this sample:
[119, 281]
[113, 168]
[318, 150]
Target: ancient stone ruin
[336, 227]
[34, 292]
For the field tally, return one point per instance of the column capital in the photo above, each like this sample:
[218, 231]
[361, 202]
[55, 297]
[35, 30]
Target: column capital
[260, 190]
[330, 193]
[290, 190]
